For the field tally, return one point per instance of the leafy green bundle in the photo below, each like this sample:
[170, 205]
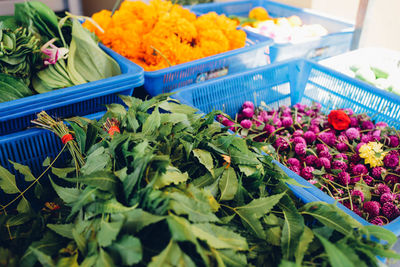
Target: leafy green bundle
[173, 188]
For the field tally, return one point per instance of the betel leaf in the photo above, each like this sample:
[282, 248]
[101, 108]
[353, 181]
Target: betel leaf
[7, 182]
[129, 248]
[172, 255]
[64, 230]
[261, 206]
[293, 228]
[172, 176]
[228, 185]
[204, 158]
[336, 257]
[108, 232]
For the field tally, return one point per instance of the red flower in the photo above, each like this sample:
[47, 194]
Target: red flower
[339, 119]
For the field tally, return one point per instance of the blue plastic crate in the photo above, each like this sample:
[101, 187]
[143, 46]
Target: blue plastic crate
[338, 40]
[77, 100]
[251, 56]
[291, 82]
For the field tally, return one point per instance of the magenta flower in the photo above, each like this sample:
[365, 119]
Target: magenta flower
[321, 147]
[377, 221]
[359, 145]
[248, 112]
[310, 160]
[387, 197]
[281, 144]
[381, 125]
[287, 122]
[391, 160]
[310, 137]
[392, 179]
[349, 111]
[316, 106]
[246, 124]
[341, 156]
[382, 189]
[314, 128]
[299, 140]
[376, 135]
[298, 133]
[355, 158]
[368, 180]
[306, 172]
[53, 52]
[329, 177]
[377, 172]
[328, 138]
[344, 178]
[277, 122]
[359, 194]
[300, 107]
[393, 141]
[315, 121]
[352, 133]
[353, 122]
[248, 104]
[310, 113]
[342, 147]
[359, 169]
[354, 179]
[367, 125]
[323, 162]
[269, 129]
[300, 149]
[295, 169]
[390, 210]
[340, 165]
[325, 154]
[366, 138]
[372, 208]
[293, 162]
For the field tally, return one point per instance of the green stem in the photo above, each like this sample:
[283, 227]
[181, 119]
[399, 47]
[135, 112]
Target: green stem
[116, 5]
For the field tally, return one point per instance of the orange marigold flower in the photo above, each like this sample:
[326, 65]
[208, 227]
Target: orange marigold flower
[258, 13]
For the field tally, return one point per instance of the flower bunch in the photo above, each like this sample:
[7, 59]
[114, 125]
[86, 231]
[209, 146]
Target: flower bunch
[347, 155]
[162, 34]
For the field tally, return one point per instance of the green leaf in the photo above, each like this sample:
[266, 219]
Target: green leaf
[152, 123]
[23, 206]
[108, 232]
[79, 240]
[219, 237]
[68, 195]
[381, 233]
[43, 258]
[198, 211]
[80, 136]
[116, 110]
[261, 206]
[177, 108]
[204, 158]
[363, 187]
[336, 257]
[64, 230]
[85, 196]
[292, 229]
[129, 248]
[103, 180]
[7, 182]
[331, 216]
[172, 176]
[46, 162]
[68, 262]
[108, 206]
[172, 255]
[274, 233]
[305, 240]
[225, 141]
[104, 260]
[136, 220]
[62, 172]
[232, 258]
[89, 261]
[24, 170]
[247, 170]
[18, 219]
[250, 221]
[228, 185]
[285, 263]
[96, 161]
[243, 157]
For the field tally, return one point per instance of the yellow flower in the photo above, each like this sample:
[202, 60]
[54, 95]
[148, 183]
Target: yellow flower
[372, 154]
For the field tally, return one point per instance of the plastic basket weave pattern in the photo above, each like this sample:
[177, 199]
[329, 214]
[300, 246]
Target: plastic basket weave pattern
[338, 40]
[248, 57]
[291, 82]
[77, 100]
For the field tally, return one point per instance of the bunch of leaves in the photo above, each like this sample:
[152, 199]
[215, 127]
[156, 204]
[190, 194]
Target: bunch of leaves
[176, 189]
[19, 52]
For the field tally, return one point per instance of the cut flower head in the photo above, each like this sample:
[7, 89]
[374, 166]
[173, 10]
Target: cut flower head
[372, 154]
[53, 52]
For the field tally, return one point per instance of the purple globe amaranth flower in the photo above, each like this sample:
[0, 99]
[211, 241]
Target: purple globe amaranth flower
[377, 221]
[342, 138]
[359, 169]
[341, 156]
[366, 138]
[355, 209]
[264, 115]
[281, 144]
[393, 141]
[377, 134]
[300, 107]
[343, 178]
[390, 210]
[368, 180]
[246, 124]
[248, 104]
[377, 172]
[277, 122]
[342, 147]
[314, 128]
[323, 162]
[381, 125]
[321, 147]
[353, 122]
[300, 149]
[355, 179]
[328, 138]
[373, 208]
[325, 154]
[316, 106]
[340, 165]
[349, 111]
[329, 177]
[293, 162]
[352, 133]
[248, 112]
[367, 125]
[310, 113]
[359, 194]
[359, 145]
[299, 140]
[306, 172]
[310, 160]
[298, 133]
[382, 189]
[269, 129]
[392, 179]
[310, 137]
[391, 160]
[315, 121]
[355, 158]
[295, 169]
[287, 122]
[387, 197]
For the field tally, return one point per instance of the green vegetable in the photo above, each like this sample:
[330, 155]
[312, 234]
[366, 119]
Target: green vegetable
[176, 189]
[380, 73]
[12, 88]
